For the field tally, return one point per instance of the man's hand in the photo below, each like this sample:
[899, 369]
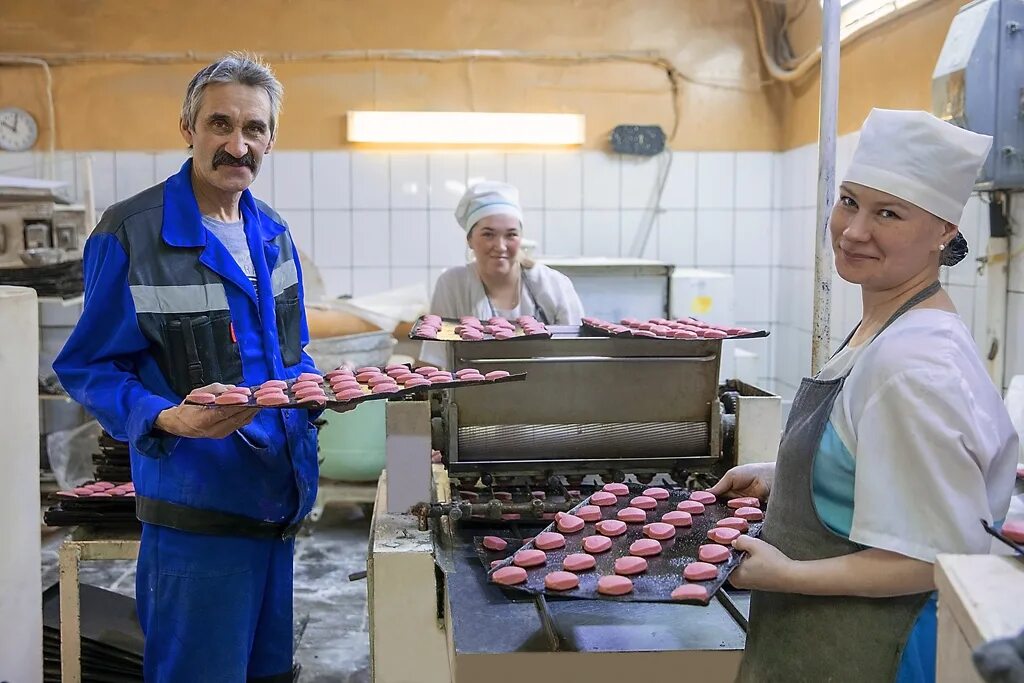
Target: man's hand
[205, 422]
[753, 480]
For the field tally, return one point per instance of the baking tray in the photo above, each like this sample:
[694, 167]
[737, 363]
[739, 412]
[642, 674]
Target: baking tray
[664, 572]
[1017, 547]
[333, 401]
[594, 326]
[447, 332]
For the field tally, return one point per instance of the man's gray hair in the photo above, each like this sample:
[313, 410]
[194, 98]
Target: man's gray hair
[235, 67]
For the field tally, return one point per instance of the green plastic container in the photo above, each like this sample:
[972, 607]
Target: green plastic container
[352, 443]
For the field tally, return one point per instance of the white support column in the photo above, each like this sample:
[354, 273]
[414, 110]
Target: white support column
[21, 602]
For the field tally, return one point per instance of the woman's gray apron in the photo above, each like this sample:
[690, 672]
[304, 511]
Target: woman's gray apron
[810, 638]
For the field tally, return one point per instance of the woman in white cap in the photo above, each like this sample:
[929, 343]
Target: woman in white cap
[500, 281]
[896, 450]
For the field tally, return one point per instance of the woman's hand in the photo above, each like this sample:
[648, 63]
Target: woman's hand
[765, 568]
[753, 480]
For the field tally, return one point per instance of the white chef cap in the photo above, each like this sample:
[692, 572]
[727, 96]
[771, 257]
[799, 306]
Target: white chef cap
[920, 159]
[487, 198]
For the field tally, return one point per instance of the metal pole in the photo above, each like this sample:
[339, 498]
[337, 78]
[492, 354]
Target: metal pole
[827, 115]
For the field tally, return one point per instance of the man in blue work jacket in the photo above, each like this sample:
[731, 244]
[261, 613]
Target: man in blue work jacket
[191, 283]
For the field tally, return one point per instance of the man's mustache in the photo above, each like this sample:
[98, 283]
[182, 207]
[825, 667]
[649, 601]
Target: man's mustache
[222, 158]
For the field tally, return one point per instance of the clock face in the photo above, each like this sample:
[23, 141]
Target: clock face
[18, 130]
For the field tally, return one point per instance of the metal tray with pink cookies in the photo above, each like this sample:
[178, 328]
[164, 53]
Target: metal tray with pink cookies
[468, 328]
[663, 328]
[633, 543]
[348, 386]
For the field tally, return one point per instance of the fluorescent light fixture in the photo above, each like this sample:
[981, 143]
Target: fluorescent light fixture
[465, 128]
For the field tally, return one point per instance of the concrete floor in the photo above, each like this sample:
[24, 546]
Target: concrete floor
[331, 637]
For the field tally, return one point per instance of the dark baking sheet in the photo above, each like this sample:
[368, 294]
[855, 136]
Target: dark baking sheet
[447, 332]
[1017, 547]
[600, 332]
[664, 572]
[332, 401]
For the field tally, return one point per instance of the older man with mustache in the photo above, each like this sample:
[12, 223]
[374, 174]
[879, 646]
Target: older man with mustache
[194, 282]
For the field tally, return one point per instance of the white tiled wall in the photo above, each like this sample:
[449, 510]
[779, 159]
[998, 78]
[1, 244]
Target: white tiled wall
[372, 221]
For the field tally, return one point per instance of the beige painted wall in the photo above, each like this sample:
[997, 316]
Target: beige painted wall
[890, 67]
[135, 106]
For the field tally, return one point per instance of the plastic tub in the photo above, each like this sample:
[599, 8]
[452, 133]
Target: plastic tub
[352, 443]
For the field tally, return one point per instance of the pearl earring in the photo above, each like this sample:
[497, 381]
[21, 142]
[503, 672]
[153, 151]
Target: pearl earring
[942, 247]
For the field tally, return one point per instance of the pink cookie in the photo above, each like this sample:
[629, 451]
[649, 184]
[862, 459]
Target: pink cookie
[750, 514]
[471, 335]
[509, 576]
[700, 571]
[617, 489]
[395, 373]
[644, 547]
[349, 394]
[275, 384]
[466, 371]
[529, 558]
[472, 378]
[603, 499]
[748, 502]
[549, 540]
[497, 374]
[203, 397]
[502, 495]
[380, 379]
[644, 503]
[570, 524]
[630, 565]
[690, 591]
[691, 506]
[611, 527]
[310, 377]
[387, 388]
[713, 553]
[421, 382]
[660, 531]
[272, 399]
[1014, 531]
[597, 544]
[578, 562]
[561, 581]
[677, 518]
[614, 585]
[657, 493]
[319, 399]
[502, 335]
[299, 386]
[703, 497]
[733, 523]
[440, 378]
[244, 391]
[589, 513]
[494, 543]
[229, 399]
[723, 535]
[632, 515]
[425, 370]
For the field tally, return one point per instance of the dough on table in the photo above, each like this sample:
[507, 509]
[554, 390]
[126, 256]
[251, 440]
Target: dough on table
[509, 576]
[561, 581]
[603, 499]
[589, 513]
